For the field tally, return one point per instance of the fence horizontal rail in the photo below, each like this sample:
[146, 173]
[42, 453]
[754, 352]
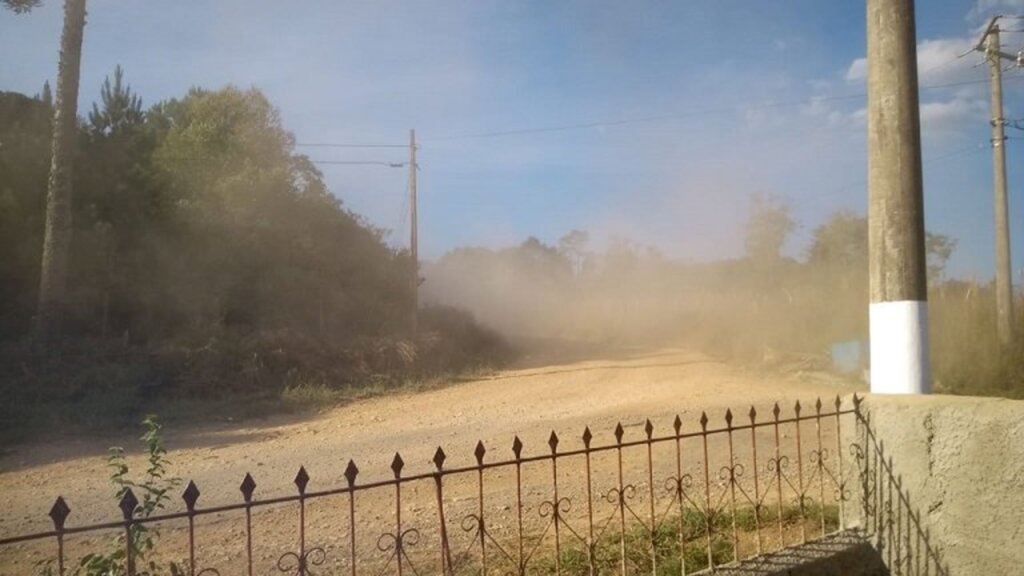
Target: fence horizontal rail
[686, 509]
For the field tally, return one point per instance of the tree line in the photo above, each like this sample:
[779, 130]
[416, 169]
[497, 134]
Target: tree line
[191, 216]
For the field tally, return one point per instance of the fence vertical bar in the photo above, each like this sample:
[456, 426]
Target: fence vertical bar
[677, 425]
[59, 514]
[553, 444]
[732, 486]
[190, 496]
[841, 489]
[301, 481]
[128, 504]
[396, 466]
[247, 488]
[821, 464]
[800, 475]
[899, 525]
[622, 499]
[757, 488]
[351, 472]
[649, 430]
[888, 514]
[481, 526]
[778, 478]
[707, 489]
[446, 560]
[591, 565]
[517, 449]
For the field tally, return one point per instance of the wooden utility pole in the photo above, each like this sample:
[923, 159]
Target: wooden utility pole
[989, 44]
[413, 237]
[899, 290]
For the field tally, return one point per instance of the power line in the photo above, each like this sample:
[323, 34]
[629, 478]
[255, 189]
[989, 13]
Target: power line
[361, 163]
[675, 116]
[332, 145]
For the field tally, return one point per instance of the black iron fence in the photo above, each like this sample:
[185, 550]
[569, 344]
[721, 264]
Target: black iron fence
[894, 526]
[674, 499]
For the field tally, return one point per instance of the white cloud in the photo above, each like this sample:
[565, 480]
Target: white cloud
[952, 114]
[939, 61]
[858, 70]
[983, 9]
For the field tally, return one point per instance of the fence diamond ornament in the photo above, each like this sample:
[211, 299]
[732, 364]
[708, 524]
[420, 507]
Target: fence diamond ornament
[190, 496]
[59, 513]
[397, 464]
[247, 487]
[351, 471]
[128, 504]
[301, 479]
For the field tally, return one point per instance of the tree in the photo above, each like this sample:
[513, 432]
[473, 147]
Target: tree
[57, 240]
[769, 224]
[121, 108]
[573, 246]
[20, 6]
[938, 248]
[840, 248]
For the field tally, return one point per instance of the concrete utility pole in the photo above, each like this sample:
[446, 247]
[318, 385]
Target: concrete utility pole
[899, 290]
[413, 237]
[989, 44]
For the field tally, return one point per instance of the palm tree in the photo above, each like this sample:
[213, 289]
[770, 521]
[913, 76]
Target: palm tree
[57, 241]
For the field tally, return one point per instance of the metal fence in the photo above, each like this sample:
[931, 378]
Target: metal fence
[887, 517]
[683, 498]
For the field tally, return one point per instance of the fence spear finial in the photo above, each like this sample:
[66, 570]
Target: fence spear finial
[479, 452]
[351, 471]
[247, 487]
[190, 496]
[59, 513]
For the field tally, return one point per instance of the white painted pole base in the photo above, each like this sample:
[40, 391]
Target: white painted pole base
[899, 347]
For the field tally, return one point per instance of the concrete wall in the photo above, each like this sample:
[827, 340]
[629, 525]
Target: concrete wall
[962, 464]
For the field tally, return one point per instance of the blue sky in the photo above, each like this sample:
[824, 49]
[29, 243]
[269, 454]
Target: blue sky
[709, 72]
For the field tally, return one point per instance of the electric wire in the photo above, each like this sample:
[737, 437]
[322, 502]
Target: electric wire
[681, 115]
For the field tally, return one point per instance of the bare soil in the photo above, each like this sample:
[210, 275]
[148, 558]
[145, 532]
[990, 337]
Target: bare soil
[623, 386]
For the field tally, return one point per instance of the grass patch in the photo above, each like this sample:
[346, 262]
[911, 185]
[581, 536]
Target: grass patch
[677, 541]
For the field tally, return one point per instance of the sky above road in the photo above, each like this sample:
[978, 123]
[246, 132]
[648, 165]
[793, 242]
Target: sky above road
[664, 117]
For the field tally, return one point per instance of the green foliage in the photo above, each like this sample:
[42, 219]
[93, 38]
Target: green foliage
[209, 260]
[154, 489]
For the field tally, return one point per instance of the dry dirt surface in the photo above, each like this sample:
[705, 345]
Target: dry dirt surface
[626, 387]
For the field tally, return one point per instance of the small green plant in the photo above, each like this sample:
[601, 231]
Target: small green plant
[154, 490]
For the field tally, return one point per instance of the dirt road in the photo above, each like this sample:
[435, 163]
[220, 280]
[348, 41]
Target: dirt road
[529, 402]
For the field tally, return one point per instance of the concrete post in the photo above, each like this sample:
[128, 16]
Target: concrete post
[899, 291]
[1004, 283]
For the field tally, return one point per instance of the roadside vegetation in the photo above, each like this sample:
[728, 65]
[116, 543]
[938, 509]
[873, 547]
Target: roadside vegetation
[211, 272]
[765, 309]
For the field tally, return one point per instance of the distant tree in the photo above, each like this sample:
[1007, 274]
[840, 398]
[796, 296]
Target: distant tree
[938, 248]
[20, 6]
[841, 242]
[120, 107]
[840, 247]
[573, 246]
[46, 96]
[767, 228]
[57, 241]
